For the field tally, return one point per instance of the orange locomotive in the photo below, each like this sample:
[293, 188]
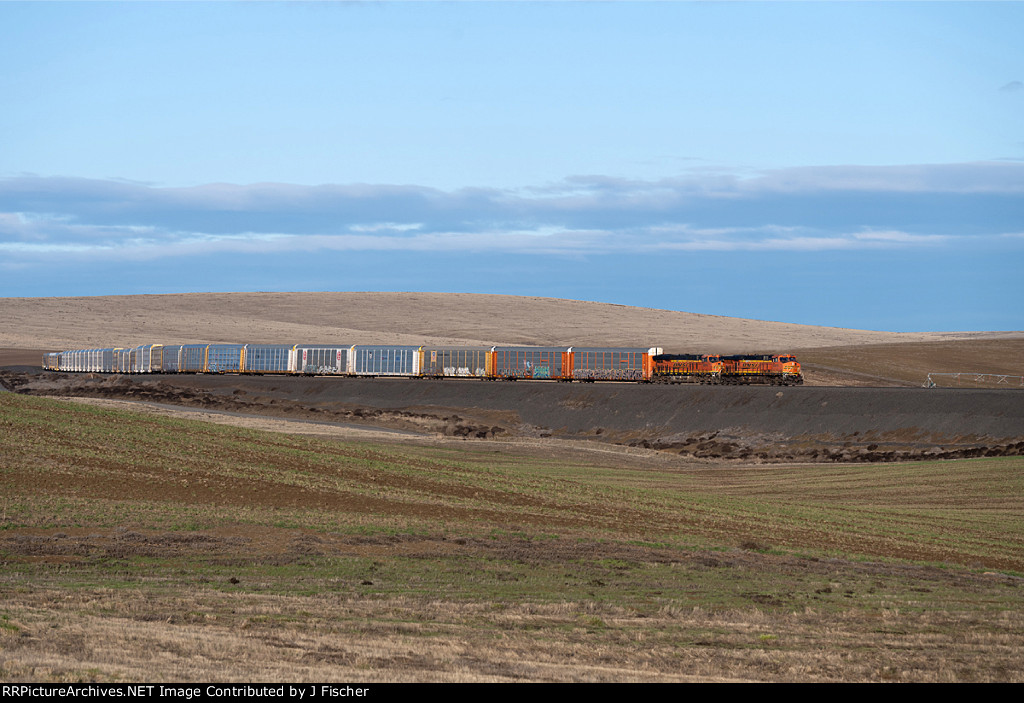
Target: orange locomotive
[772, 369]
[687, 368]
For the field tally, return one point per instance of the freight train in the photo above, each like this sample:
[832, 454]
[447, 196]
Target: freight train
[566, 364]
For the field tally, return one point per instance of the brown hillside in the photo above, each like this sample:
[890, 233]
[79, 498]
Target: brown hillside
[362, 318]
[911, 362]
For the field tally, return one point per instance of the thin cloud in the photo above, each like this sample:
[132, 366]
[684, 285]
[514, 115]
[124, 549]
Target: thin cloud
[798, 209]
[536, 242]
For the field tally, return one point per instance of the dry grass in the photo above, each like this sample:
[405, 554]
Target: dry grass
[402, 318]
[910, 363]
[104, 635]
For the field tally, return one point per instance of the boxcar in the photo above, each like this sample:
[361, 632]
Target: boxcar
[88, 360]
[122, 360]
[146, 358]
[368, 360]
[170, 358]
[463, 362]
[225, 358]
[324, 359]
[267, 358]
[51, 361]
[511, 363]
[589, 364]
[192, 358]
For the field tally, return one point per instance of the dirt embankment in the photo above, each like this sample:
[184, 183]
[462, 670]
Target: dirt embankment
[748, 423]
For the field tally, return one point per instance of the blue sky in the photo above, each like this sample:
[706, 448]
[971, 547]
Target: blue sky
[847, 164]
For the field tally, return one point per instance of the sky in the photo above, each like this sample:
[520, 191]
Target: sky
[850, 164]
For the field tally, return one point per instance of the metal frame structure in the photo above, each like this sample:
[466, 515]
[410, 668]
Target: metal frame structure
[996, 378]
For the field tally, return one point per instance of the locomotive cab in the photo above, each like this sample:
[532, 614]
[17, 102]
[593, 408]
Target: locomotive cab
[790, 369]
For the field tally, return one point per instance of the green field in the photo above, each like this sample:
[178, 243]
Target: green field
[130, 541]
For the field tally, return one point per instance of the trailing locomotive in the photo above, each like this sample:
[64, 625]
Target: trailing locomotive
[777, 369]
[565, 364]
[771, 369]
[688, 368]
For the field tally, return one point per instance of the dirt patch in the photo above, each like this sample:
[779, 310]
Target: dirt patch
[29, 359]
[273, 397]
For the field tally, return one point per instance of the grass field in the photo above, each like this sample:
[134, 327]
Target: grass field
[136, 547]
